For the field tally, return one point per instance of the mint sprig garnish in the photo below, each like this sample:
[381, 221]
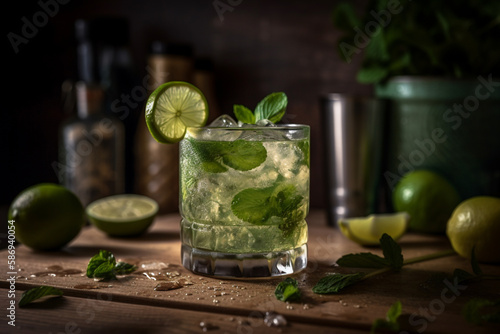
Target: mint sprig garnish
[272, 107]
[288, 290]
[103, 265]
[392, 261]
[36, 293]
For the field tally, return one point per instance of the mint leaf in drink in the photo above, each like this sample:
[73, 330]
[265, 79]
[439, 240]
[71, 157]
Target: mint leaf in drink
[244, 155]
[37, 293]
[272, 107]
[243, 114]
[257, 205]
[362, 260]
[305, 148]
[391, 319]
[336, 282]
[288, 290]
[240, 154]
[103, 265]
[392, 251]
[253, 205]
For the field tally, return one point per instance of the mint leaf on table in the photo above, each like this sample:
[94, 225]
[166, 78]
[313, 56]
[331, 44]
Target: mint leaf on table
[123, 268]
[33, 294]
[103, 258]
[362, 260]
[391, 319]
[473, 262]
[288, 290]
[243, 114]
[241, 155]
[479, 311]
[392, 251]
[272, 107]
[336, 282]
[393, 256]
[103, 265]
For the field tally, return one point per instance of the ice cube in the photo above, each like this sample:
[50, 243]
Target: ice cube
[224, 121]
[265, 122]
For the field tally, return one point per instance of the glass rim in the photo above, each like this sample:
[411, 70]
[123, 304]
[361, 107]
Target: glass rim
[252, 128]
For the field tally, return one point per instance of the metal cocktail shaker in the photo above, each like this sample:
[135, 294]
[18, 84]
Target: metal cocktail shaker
[353, 129]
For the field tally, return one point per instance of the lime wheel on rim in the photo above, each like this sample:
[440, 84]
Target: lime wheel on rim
[172, 108]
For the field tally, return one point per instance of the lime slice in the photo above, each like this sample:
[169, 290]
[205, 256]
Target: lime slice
[173, 107]
[122, 215]
[368, 230]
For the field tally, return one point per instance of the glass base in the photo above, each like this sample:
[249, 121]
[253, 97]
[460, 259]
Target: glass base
[257, 265]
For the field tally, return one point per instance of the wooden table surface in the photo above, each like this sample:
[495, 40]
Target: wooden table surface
[431, 302]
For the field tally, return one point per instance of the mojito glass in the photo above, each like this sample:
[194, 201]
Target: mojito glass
[244, 197]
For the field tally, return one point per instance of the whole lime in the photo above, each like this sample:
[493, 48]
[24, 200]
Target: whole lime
[475, 223]
[46, 216]
[428, 198]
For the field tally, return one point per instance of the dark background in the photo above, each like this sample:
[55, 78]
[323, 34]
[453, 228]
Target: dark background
[258, 47]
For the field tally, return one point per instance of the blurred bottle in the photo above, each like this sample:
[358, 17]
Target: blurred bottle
[157, 165]
[204, 79]
[91, 160]
[104, 58]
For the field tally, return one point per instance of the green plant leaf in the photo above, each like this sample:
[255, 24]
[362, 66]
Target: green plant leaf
[97, 260]
[344, 17]
[253, 205]
[257, 205]
[243, 114]
[103, 265]
[362, 260]
[38, 292]
[123, 268]
[241, 155]
[372, 74]
[479, 311]
[105, 271]
[391, 319]
[392, 251]
[272, 107]
[474, 264]
[288, 290]
[336, 282]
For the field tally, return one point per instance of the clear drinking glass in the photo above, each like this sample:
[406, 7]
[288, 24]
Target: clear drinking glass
[244, 197]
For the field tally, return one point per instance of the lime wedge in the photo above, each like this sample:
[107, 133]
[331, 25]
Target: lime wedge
[173, 107]
[122, 215]
[367, 231]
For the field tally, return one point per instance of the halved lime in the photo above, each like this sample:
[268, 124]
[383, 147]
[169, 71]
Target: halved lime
[122, 215]
[172, 107]
[368, 230]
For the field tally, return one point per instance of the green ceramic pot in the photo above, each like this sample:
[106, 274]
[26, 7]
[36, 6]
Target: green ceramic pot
[449, 126]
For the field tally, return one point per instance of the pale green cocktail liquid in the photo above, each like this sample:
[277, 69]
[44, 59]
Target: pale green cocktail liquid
[245, 191]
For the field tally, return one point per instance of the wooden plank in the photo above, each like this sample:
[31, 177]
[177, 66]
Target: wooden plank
[98, 315]
[423, 289]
